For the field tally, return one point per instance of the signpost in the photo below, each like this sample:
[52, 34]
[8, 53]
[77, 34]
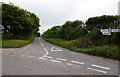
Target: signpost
[108, 31]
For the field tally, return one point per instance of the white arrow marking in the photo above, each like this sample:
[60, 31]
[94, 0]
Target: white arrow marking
[48, 57]
[55, 49]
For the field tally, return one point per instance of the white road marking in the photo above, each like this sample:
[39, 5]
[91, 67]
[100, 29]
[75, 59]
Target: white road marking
[48, 56]
[55, 49]
[61, 59]
[56, 61]
[69, 64]
[31, 56]
[39, 40]
[97, 70]
[78, 62]
[42, 44]
[42, 58]
[100, 67]
[46, 52]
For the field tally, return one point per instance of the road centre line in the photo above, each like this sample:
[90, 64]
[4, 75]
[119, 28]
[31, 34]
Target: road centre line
[48, 56]
[56, 61]
[97, 70]
[69, 64]
[61, 59]
[78, 62]
[46, 52]
[100, 67]
[42, 44]
[42, 58]
[39, 40]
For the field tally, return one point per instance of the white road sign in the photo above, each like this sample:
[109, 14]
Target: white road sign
[106, 33]
[115, 30]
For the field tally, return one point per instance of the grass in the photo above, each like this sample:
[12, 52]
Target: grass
[106, 51]
[15, 43]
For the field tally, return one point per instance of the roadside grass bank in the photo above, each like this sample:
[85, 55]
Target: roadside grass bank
[16, 43]
[106, 51]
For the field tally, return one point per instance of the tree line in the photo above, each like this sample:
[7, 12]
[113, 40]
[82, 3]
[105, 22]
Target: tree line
[90, 29]
[17, 22]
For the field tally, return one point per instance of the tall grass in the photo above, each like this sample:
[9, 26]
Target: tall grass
[16, 43]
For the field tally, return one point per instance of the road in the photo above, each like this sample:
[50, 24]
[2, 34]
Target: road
[43, 58]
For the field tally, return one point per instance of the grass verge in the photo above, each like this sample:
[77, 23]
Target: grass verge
[15, 43]
[106, 51]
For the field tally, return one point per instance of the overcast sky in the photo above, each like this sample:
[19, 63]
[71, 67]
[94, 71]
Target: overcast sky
[57, 12]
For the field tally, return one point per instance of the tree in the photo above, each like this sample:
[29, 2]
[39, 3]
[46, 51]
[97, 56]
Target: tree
[54, 32]
[21, 22]
[69, 31]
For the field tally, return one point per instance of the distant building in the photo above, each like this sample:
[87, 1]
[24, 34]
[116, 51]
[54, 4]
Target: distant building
[119, 8]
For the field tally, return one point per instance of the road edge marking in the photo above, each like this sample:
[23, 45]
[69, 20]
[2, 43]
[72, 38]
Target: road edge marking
[56, 61]
[98, 66]
[61, 59]
[78, 62]
[97, 70]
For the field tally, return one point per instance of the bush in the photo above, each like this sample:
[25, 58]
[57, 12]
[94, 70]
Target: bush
[86, 42]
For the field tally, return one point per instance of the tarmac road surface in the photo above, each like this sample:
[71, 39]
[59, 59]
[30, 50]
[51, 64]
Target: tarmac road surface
[43, 58]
